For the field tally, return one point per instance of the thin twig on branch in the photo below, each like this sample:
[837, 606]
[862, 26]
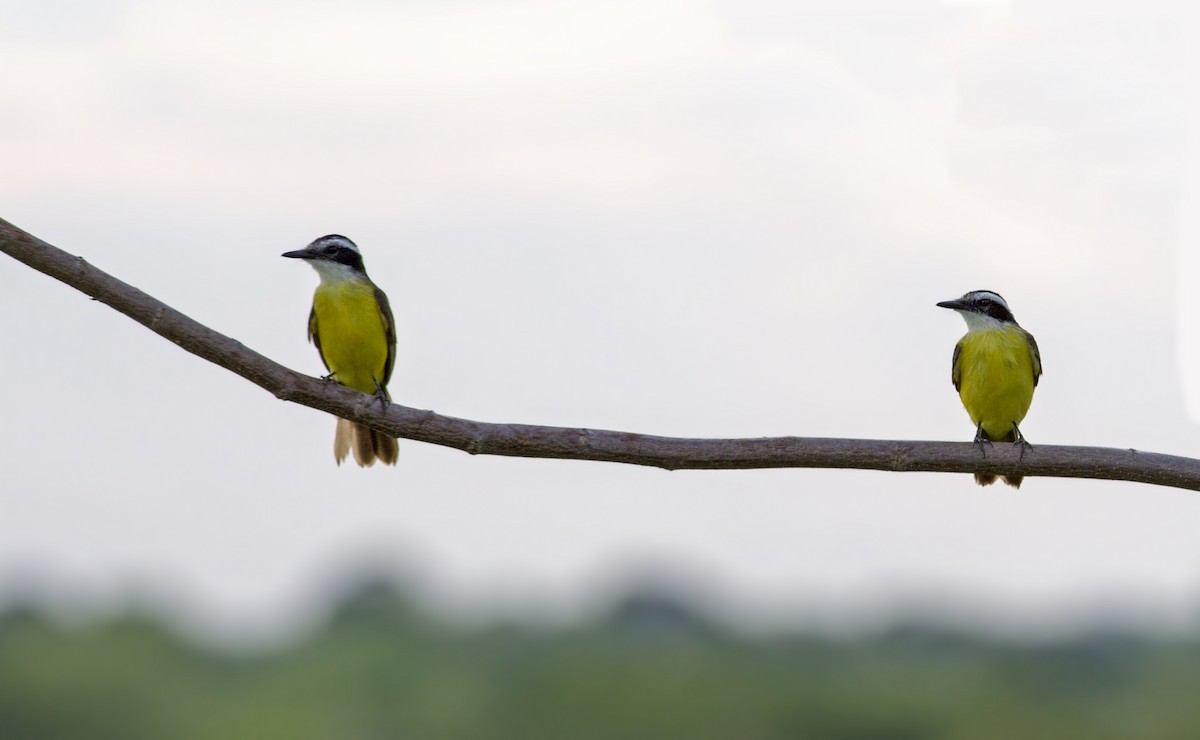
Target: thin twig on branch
[523, 440]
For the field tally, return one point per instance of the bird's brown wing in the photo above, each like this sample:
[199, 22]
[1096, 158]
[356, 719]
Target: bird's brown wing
[315, 337]
[1037, 356]
[955, 370]
[389, 328]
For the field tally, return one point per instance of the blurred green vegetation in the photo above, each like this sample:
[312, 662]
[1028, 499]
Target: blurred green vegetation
[380, 668]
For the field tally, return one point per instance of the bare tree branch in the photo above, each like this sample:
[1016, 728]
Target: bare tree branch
[523, 440]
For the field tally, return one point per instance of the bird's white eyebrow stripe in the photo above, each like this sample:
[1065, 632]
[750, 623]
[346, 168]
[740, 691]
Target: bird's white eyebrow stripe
[336, 240]
[976, 295]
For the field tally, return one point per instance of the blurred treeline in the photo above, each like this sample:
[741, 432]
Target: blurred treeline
[380, 668]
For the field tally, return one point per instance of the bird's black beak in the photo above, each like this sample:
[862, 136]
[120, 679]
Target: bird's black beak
[956, 304]
[303, 254]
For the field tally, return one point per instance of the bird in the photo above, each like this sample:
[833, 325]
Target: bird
[352, 327]
[996, 366]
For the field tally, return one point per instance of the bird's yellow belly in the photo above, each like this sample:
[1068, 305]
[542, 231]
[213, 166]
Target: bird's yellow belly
[353, 339]
[996, 381]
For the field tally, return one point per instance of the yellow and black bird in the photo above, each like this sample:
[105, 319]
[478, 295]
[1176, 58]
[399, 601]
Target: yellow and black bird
[995, 368]
[351, 325]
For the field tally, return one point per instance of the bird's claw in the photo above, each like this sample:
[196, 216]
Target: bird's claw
[981, 440]
[1021, 442]
[381, 395]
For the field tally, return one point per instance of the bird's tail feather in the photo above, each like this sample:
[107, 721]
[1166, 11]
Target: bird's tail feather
[386, 449]
[343, 440]
[985, 479]
[367, 444]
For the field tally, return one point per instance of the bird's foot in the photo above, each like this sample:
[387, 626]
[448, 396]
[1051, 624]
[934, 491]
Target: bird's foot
[1021, 442]
[981, 440]
[381, 395]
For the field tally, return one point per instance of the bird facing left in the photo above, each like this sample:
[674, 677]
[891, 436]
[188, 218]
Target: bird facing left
[995, 368]
[352, 327]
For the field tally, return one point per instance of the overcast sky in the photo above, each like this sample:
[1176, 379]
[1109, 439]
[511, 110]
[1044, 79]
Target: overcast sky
[690, 218]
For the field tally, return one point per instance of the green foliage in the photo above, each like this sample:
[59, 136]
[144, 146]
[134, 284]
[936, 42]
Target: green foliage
[653, 669]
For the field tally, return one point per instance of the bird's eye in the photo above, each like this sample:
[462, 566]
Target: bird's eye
[330, 250]
[985, 302]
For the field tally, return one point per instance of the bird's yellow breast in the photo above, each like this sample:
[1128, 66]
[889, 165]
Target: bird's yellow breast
[995, 374]
[349, 329]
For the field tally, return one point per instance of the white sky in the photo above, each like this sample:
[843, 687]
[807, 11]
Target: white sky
[693, 218]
